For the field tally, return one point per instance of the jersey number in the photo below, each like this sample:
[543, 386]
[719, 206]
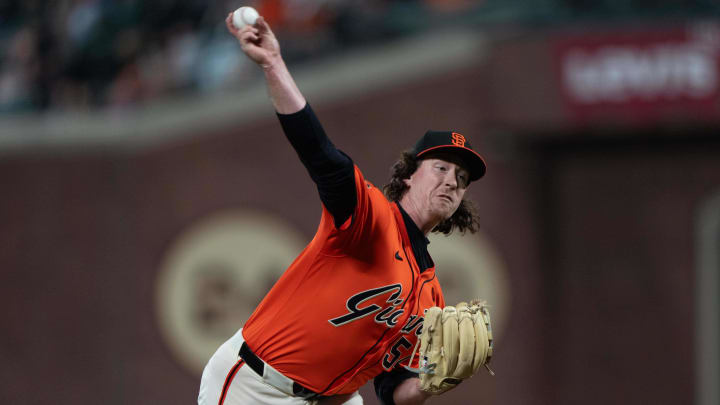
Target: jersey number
[392, 358]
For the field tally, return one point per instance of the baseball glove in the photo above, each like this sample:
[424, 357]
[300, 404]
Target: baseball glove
[454, 343]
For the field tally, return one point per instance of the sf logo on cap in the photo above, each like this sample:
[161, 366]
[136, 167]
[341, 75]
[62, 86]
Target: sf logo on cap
[458, 139]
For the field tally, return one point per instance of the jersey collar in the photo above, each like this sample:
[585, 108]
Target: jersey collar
[417, 240]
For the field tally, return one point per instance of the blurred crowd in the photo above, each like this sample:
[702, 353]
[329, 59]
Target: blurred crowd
[84, 54]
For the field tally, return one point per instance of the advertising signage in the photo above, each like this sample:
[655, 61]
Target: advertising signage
[640, 76]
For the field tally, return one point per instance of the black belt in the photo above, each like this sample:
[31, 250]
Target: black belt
[258, 366]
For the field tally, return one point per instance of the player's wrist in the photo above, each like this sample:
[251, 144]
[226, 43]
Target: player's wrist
[410, 393]
[273, 64]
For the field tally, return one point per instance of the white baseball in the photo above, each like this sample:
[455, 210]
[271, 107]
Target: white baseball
[244, 16]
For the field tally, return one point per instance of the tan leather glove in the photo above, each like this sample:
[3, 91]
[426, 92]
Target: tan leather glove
[454, 343]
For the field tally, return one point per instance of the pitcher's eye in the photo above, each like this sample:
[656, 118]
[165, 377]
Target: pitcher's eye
[463, 178]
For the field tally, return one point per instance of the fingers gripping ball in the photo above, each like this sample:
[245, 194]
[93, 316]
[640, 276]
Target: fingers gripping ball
[244, 16]
[454, 343]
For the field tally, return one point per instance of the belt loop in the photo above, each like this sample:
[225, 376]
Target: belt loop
[254, 362]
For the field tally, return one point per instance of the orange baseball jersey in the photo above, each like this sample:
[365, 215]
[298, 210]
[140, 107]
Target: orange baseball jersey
[351, 305]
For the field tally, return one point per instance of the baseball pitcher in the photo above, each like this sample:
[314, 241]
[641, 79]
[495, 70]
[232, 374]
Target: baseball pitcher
[363, 300]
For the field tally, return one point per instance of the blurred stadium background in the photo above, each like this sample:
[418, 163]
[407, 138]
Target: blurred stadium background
[150, 198]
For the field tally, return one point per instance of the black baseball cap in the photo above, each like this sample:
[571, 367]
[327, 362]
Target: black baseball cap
[453, 142]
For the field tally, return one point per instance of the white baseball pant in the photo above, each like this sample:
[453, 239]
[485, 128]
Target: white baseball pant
[227, 380]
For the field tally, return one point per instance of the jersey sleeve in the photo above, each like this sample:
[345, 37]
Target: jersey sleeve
[365, 232]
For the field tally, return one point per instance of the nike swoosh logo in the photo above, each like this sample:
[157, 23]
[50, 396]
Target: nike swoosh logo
[397, 255]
